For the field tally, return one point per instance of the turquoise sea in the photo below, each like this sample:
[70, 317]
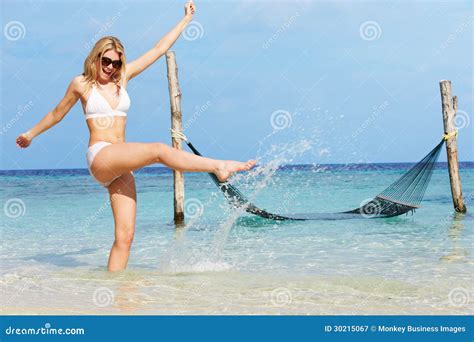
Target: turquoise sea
[57, 229]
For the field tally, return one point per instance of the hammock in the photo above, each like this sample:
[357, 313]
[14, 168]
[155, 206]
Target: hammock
[401, 197]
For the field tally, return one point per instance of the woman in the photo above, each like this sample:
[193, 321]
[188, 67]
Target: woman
[101, 89]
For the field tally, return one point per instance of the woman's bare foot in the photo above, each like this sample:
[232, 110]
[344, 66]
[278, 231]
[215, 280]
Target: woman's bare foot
[229, 167]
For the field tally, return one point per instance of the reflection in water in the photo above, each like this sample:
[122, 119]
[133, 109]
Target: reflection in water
[458, 252]
[128, 298]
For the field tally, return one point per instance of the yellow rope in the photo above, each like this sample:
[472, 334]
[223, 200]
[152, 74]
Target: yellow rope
[449, 135]
[178, 134]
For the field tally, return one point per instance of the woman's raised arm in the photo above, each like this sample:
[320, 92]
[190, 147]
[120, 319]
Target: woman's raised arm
[138, 65]
[53, 117]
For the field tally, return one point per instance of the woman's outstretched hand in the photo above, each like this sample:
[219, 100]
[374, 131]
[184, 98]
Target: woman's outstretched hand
[23, 140]
[189, 9]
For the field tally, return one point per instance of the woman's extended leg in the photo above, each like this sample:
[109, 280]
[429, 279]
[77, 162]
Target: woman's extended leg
[117, 159]
[123, 200]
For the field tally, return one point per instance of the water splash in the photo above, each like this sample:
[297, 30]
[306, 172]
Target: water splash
[257, 180]
[182, 255]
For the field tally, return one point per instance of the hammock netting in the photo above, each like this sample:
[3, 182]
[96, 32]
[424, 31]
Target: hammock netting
[401, 197]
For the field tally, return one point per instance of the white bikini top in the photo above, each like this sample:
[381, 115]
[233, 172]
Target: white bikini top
[98, 106]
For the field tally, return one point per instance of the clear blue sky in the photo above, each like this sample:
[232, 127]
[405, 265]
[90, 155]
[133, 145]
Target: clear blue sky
[359, 80]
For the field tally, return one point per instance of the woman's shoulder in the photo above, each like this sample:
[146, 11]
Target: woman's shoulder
[79, 83]
[79, 80]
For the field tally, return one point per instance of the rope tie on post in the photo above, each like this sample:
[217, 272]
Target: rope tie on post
[178, 134]
[450, 135]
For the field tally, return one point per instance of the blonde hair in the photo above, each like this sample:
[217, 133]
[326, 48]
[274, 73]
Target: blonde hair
[90, 64]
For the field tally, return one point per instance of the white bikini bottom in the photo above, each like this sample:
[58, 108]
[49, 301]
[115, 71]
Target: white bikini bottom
[90, 155]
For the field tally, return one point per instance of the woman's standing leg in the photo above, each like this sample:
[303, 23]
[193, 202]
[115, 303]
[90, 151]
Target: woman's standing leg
[123, 200]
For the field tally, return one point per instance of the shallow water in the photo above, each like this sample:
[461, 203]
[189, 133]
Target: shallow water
[58, 228]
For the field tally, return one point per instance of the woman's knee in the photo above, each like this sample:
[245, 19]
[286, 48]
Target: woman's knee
[124, 237]
[158, 150]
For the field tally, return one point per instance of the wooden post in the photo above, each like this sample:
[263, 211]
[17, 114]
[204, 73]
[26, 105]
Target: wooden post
[177, 124]
[449, 107]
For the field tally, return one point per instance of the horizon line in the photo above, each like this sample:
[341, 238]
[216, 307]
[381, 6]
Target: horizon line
[284, 165]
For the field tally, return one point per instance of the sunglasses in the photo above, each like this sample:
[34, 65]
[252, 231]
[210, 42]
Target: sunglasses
[106, 61]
